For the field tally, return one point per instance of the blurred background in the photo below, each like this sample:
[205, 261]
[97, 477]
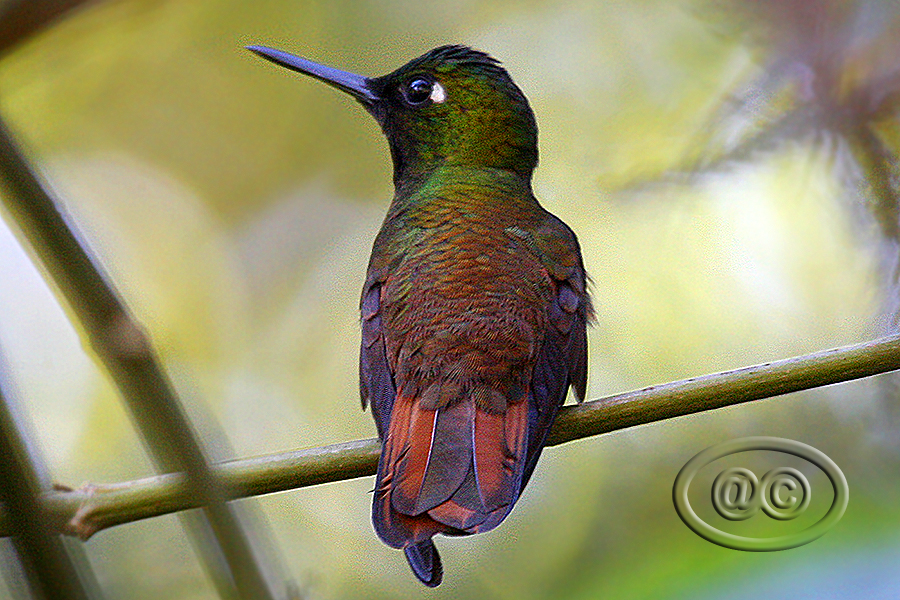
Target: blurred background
[729, 167]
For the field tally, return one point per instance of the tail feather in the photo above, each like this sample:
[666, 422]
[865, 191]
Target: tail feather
[499, 457]
[411, 441]
[448, 459]
[425, 562]
[463, 510]
[456, 469]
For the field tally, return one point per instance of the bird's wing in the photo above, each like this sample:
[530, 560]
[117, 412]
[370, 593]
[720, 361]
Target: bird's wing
[376, 383]
[562, 359]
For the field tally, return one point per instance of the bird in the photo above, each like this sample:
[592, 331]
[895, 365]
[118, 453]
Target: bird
[475, 307]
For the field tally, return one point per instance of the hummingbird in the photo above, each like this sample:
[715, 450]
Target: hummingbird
[475, 305]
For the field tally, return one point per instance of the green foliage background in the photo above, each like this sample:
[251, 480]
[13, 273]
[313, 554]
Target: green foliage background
[234, 204]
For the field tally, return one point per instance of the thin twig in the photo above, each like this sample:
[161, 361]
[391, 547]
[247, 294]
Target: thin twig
[87, 510]
[719, 390]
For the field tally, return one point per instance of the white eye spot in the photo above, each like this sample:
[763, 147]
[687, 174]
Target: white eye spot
[438, 93]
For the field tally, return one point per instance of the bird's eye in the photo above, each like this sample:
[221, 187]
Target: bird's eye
[417, 91]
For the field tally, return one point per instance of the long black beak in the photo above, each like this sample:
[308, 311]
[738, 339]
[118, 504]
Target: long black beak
[356, 85]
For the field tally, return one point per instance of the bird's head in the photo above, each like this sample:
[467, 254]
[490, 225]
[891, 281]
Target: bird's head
[451, 106]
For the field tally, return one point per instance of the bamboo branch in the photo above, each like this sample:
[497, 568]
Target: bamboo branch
[92, 508]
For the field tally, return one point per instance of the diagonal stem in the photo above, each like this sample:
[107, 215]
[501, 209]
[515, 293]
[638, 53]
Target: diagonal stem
[48, 568]
[125, 350]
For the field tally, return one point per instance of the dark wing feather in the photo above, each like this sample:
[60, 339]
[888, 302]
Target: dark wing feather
[550, 382]
[376, 384]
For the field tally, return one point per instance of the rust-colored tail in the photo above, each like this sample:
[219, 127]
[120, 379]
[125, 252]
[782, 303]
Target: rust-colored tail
[456, 469]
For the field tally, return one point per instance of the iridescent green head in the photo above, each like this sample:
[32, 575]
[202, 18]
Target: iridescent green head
[453, 105]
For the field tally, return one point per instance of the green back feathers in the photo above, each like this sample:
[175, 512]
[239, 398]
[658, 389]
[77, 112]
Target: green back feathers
[455, 105]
